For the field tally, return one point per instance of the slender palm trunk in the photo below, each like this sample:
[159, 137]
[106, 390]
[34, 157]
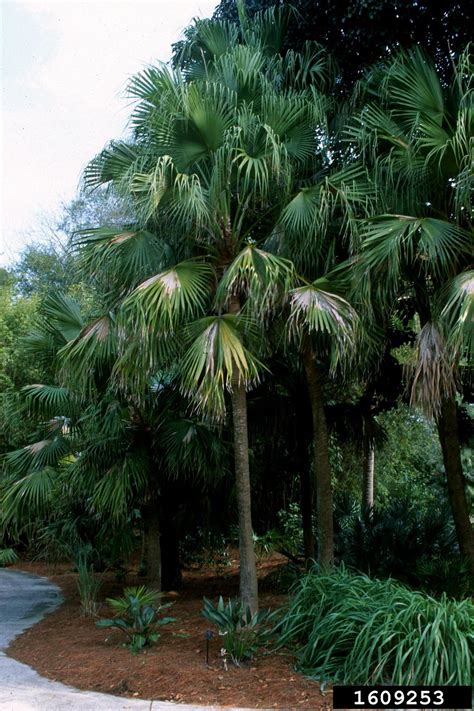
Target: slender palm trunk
[322, 470]
[368, 474]
[248, 567]
[447, 424]
[151, 526]
[449, 437]
[307, 504]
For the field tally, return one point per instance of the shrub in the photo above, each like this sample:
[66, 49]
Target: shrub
[451, 575]
[395, 538]
[351, 629]
[242, 632]
[137, 616]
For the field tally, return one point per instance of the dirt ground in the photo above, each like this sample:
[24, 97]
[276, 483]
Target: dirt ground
[68, 647]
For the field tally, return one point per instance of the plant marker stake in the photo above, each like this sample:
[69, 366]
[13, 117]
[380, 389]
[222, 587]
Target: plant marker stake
[209, 634]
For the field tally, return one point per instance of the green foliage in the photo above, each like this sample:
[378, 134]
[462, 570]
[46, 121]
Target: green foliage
[394, 538]
[7, 557]
[89, 586]
[409, 463]
[372, 29]
[42, 268]
[450, 575]
[290, 523]
[137, 616]
[17, 316]
[242, 632]
[206, 548]
[351, 629]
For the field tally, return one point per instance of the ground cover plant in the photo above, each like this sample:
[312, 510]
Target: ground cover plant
[137, 615]
[351, 629]
[242, 631]
[68, 647]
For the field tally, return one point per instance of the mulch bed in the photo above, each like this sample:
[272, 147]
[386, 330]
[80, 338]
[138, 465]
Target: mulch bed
[68, 647]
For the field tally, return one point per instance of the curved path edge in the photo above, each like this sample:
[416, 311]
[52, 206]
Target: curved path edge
[24, 600]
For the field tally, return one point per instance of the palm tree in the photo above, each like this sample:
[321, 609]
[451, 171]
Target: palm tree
[99, 456]
[211, 168]
[416, 136]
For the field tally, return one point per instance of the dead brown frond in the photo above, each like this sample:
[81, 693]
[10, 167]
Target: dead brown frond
[435, 373]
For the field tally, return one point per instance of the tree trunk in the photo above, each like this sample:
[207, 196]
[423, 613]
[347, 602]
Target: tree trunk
[151, 527]
[170, 558]
[307, 504]
[368, 474]
[322, 470]
[248, 567]
[449, 437]
[447, 423]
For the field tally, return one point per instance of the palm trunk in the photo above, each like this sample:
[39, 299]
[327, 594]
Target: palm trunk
[307, 515]
[248, 567]
[322, 470]
[447, 423]
[151, 527]
[449, 437]
[368, 474]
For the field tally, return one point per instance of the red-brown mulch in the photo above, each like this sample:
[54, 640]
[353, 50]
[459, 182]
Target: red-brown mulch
[68, 647]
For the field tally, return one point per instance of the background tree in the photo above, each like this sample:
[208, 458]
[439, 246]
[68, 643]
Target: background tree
[420, 133]
[359, 33]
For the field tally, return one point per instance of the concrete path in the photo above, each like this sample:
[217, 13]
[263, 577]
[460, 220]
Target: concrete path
[24, 600]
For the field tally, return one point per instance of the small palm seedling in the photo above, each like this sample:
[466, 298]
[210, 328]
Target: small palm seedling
[242, 632]
[137, 614]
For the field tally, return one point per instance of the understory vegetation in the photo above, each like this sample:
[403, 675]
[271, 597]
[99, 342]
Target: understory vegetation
[254, 335]
[352, 629]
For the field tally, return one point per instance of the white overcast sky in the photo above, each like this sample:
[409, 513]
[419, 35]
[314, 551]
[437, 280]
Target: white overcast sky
[64, 68]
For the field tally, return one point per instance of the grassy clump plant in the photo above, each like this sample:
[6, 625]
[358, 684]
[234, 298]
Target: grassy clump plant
[351, 629]
[88, 585]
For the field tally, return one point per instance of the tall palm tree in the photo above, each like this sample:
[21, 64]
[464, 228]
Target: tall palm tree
[211, 168]
[416, 135]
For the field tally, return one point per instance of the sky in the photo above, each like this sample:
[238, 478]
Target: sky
[64, 68]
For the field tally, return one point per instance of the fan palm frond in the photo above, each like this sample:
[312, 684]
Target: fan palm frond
[50, 400]
[436, 246]
[115, 491]
[456, 308]
[28, 497]
[215, 361]
[261, 276]
[164, 301]
[39, 455]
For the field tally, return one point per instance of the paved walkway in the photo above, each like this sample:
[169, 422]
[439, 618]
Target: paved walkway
[24, 600]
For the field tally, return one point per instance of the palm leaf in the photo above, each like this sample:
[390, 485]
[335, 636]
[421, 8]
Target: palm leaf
[262, 277]
[392, 241]
[29, 497]
[456, 308]
[164, 301]
[434, 377]
[215, 361]
[50, 400]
